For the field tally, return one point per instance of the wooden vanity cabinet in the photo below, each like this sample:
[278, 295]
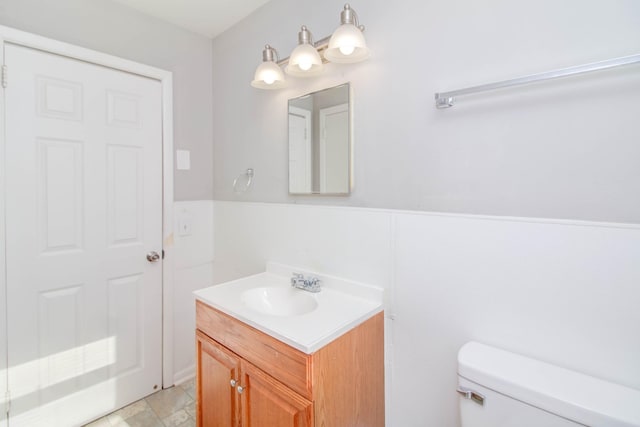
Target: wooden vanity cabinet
[264, 401]
[276, 385]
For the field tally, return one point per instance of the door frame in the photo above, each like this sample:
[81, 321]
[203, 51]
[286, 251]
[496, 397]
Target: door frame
[22, 38]
[309, 133]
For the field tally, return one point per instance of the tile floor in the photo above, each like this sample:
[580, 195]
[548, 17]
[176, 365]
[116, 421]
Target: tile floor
[172, 407]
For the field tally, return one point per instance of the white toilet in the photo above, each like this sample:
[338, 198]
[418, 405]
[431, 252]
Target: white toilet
[502, 389]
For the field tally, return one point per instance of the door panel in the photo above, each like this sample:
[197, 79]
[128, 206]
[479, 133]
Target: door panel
[217, 366]
[124, 202]
[125, 302]
[83, 207]
[266, 402]
[334, 149]
[60, 195]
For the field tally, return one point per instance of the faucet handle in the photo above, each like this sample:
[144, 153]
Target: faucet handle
[295, 278]
[312, 284]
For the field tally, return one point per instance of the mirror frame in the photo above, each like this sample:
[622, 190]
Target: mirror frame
[349, 148]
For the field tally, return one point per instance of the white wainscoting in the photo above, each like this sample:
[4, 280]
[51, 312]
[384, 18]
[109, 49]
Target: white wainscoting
[193, 258]
[561, 291]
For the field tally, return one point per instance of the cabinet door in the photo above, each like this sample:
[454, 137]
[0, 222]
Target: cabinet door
[266, 402]
[218, 403]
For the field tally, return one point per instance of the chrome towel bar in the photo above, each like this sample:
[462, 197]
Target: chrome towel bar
[447, 99]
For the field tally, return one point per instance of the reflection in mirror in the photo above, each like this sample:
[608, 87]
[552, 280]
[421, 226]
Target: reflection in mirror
[320, 142]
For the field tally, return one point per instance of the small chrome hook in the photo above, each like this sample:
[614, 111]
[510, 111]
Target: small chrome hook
[249, 176]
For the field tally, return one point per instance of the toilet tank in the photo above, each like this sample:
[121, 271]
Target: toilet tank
[502, 389]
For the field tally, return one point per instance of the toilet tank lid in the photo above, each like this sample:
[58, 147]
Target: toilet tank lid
[578, 397]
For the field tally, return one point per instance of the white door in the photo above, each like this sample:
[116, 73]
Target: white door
[83, 171]
[334, 149]
[299, 150]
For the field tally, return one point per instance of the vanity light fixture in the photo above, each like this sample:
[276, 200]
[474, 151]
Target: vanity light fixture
[305, 60]
[346, 46]
[268, 74]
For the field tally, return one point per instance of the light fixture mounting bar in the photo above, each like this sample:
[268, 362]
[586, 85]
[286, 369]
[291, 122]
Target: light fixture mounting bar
[447, 99]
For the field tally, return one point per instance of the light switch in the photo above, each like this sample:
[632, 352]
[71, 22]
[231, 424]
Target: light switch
[183, 159]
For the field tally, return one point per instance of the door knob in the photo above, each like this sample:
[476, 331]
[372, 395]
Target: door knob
[153, 256]
[240, 389]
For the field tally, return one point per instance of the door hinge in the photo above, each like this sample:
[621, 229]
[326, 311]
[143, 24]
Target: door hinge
[163, 254]
[7, 402]
[4, 76]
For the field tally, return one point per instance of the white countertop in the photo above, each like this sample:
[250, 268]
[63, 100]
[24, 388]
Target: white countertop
[342, 305]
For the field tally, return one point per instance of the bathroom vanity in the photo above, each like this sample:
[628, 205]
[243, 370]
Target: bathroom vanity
[268, 362]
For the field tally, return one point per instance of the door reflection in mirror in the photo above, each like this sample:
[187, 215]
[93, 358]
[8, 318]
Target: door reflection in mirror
[320, 142]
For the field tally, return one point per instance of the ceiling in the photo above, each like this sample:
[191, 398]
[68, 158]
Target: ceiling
[206, 17]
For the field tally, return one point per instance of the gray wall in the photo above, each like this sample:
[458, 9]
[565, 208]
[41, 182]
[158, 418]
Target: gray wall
[564, 149]
[115, 29]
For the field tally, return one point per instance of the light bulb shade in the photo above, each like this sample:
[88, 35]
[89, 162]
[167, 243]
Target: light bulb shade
[304, 61]
[268, 76]
[347, 45]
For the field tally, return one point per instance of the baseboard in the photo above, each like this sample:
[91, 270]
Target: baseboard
[184, 375]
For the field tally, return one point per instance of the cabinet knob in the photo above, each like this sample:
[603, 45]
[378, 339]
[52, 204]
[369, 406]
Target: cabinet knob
[233, 383]
[240, 389]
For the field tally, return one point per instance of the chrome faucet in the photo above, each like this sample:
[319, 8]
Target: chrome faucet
[310, 284]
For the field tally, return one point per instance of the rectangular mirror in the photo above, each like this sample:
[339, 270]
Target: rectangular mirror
[320, 142]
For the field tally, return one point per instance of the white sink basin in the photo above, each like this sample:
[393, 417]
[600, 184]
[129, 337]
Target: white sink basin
[279, 301]
[304, 320]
